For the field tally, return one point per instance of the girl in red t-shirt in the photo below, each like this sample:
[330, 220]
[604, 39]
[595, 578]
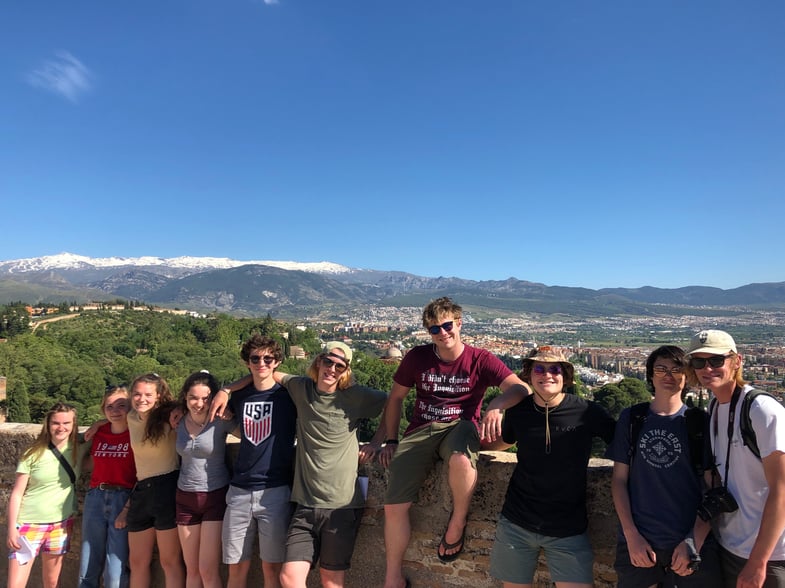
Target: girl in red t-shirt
[104, 532]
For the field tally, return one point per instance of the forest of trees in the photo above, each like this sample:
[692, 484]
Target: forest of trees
[74, 360]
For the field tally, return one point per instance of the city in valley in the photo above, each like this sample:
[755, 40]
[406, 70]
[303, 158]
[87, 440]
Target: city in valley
[608, 348]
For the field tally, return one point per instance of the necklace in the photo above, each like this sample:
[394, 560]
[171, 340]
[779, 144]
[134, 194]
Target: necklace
[547, 420]
[200, 425]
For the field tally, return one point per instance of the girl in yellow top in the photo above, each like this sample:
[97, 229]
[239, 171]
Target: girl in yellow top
[43, 501]
[151, 514]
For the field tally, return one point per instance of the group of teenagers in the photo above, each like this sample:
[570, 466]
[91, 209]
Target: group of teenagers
[700, 495]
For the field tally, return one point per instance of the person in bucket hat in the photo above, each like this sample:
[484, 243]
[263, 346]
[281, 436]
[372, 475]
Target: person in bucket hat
[545, 506]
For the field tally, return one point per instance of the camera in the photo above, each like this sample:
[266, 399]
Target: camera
[716, 501]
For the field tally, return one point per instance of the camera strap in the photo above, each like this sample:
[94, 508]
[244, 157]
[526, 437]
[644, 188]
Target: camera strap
[731, 421]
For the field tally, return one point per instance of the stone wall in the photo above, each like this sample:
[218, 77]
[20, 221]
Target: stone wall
[429, 518]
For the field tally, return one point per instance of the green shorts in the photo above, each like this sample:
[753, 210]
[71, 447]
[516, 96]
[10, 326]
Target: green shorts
[419, 451]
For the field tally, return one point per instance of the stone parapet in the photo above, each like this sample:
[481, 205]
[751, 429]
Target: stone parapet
[429, 519]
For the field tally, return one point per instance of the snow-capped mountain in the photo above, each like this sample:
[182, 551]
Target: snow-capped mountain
[67, 261]
[255, 288]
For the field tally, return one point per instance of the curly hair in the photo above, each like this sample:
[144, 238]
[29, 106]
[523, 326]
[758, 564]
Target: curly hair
[257, 341]
[436, 309]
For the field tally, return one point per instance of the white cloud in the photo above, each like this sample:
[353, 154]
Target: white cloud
[270, 2]
[64, 75]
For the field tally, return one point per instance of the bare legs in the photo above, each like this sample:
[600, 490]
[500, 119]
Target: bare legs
[140, 544]
[201, 550]
[462, 478]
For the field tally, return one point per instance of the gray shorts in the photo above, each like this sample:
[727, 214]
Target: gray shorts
[250, 512]
[515, 552]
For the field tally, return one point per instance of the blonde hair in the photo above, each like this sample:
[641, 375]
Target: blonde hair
[44, 438]
[692, 378]
[345, 380]
[111, 391]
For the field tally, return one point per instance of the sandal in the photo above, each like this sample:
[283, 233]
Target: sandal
[444, 547]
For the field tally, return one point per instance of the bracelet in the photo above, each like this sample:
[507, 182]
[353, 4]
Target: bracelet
[226, 389]
[391, 442]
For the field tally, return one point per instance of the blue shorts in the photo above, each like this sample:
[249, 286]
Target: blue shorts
[516, 550]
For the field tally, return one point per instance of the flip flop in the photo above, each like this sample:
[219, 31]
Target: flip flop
[444, 546]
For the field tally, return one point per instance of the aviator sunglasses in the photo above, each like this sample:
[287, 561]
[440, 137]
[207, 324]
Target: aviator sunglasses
[329, 363]
[267, 359]
[436, 329]
[554, 370]
[715, 361]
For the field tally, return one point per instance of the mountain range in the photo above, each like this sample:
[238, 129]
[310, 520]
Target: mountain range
[295, 289]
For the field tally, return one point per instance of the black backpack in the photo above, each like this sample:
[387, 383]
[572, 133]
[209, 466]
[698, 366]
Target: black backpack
[696, 429]
[745, 423]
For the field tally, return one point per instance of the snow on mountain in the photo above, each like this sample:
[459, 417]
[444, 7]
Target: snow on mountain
[73, 261]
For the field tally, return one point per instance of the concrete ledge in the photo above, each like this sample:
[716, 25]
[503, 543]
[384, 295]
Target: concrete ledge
[429, 518]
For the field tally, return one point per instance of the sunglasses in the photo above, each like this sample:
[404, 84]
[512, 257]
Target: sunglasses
[662, 371]
[554, 370]
[436, 329]
[267, 359]
[715, 361]
[329, 363]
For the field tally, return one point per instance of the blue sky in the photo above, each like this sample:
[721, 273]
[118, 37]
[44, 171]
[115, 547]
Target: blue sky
[577, 143]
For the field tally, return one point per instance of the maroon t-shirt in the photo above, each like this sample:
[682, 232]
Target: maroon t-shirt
[447, 391]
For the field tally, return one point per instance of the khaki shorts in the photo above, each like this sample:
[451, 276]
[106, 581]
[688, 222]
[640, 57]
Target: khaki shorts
[419, 451]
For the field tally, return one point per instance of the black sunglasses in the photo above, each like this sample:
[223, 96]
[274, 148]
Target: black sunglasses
[715, 361]
[267, 359]
[436, 329]
[339, 367]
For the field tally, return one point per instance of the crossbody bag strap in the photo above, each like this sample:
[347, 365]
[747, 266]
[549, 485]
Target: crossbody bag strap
[64, 462]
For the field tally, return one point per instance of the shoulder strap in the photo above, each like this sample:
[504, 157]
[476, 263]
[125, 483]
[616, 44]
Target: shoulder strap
[64, 462]
[745, 425]
[696, 433]
[638, 414]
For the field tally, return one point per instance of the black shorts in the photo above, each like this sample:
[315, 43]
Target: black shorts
[323, 534]
[153, 503]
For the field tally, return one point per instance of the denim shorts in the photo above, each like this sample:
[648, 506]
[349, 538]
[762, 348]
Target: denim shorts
[516, 550]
